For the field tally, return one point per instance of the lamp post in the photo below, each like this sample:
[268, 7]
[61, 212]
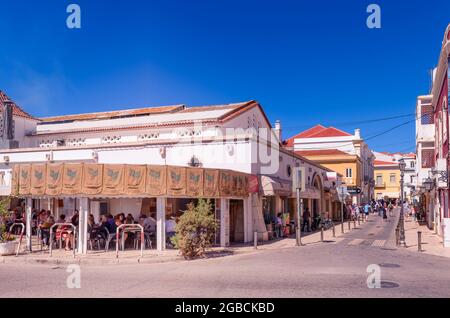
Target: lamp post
[428, 184]
[402, 166]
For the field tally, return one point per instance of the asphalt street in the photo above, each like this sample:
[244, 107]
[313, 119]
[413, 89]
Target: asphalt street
[331, 269]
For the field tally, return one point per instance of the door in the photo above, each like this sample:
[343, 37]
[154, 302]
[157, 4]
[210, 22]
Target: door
[237, 221]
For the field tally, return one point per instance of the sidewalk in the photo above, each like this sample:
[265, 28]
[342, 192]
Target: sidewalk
[171, 255]
[431, 242]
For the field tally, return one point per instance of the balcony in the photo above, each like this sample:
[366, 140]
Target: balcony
[380, 185]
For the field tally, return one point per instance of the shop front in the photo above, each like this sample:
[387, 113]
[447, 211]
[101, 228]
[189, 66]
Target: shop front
[162, 192]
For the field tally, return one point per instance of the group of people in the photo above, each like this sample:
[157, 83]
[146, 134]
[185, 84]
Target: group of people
[107, 225]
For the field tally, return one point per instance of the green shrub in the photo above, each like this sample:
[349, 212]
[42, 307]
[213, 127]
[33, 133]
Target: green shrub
[195, 230]
[4, 204]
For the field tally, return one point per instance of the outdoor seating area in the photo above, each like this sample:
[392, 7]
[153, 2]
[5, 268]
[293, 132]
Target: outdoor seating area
[49, 232]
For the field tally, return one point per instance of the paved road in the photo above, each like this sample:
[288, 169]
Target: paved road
[317, 270]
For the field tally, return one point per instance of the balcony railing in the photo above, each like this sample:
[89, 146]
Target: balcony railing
[380, 185]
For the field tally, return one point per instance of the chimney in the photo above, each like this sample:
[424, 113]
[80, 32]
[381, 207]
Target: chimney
[277, 130]
[8, 119]
[358, 133]
[8, 141]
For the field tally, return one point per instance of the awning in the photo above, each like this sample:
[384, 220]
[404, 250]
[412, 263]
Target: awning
[274, 186]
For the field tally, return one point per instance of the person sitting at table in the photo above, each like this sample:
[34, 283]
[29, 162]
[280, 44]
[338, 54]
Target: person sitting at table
[118, 222]
[62, 219]
[170, 227]
[148, 223]
[42, 217]
[129, 219]
[75, 218]
[45, 229]
[64, 233]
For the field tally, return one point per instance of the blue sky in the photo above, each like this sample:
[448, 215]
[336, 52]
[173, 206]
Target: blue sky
[306, 62]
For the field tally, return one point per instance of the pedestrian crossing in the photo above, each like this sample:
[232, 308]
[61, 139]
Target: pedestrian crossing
[364, 242]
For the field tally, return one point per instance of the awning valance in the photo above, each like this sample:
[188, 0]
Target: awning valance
[116, 180]
[274, 186]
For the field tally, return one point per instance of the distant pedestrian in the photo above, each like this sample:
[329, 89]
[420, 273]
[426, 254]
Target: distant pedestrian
[391, 209]
[306, 219]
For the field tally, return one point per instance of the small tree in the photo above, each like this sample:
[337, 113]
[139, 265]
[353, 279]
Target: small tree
[196, 229]
[4, 204]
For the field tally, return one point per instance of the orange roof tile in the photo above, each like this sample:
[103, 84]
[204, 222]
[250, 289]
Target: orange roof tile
[317, 131]
[385, 163]
[329, 132]
[17, 111]
[321, 152]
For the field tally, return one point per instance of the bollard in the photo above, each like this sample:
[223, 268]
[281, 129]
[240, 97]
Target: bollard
[349, 228]
[334, 230]
[255, 240]
[297, 236]
[397, 236]
[354, 223]
[342, 227]
[321, 234]
[419, 241]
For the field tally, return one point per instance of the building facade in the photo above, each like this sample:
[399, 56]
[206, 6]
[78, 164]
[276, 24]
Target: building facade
[340, 151]
[425, 131]
[387, 176]
[231, 139]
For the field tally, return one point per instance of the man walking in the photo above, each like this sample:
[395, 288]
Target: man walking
[306, 218]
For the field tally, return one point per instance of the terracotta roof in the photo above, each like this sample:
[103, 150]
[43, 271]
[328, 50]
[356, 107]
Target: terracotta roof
[329, 132]
[321, 152]
[385, 163]
[17, 111]
[317, 131]
[114, 114]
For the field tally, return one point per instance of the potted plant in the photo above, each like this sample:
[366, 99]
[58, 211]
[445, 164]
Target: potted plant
[8, 243]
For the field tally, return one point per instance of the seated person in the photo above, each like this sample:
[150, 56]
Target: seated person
[148, 223]
[129, 219]
[170, 227]
[45, 229]
[118, 222]
[64, 233]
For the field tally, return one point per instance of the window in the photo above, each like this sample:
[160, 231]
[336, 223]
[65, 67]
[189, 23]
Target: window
[427, 117]
[348, 172]
[392, 178]
[412, 164]
[379, 179]
[411, 179]
[427, 158]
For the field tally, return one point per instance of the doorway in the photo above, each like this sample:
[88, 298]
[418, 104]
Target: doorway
[236, 221]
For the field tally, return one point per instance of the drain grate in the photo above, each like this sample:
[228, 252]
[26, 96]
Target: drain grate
[386, 284]
[389, 265]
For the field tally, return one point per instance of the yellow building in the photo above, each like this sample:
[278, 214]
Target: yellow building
[387, 179]
[349, 166]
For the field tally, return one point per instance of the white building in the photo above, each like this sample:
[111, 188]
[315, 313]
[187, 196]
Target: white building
[213, 137]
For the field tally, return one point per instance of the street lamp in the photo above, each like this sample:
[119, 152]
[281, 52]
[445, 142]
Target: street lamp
[428, 184]
[402, 166]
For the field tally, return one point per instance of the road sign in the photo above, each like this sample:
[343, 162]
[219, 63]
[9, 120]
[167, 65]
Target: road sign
[298, 180]
[342, 192]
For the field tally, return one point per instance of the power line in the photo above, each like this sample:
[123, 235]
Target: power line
[368, 121]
